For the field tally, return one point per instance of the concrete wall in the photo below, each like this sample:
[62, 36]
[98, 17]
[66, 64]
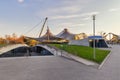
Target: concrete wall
[83, 42]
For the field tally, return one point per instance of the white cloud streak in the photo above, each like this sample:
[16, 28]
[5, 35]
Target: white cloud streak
[76, 2]
[68, 24]
[71, 9]
[86, 16]
[21, 1]
[67, 7]
[64, 17]
[60, 10]
[114, 9]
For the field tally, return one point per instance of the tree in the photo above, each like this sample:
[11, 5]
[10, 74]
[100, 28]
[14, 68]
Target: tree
[20, 39]
[7, 38]
[14, 36]
[2, 41]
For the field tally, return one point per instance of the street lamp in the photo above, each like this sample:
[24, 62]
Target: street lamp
[61, 48]
[94, 52]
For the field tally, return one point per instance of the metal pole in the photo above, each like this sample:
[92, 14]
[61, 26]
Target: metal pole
[94, 52]
[43, 27]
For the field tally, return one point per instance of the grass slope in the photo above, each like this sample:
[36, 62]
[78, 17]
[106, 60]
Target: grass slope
[2, 45]
[83, 51]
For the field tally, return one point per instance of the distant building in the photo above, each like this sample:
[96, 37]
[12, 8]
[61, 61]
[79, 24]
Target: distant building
[48, 37]
[70, 36]
[112, 38]
[66, 35]
[99, 42]
[80, 36]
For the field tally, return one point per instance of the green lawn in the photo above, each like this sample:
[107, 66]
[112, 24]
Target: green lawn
[1, 45]
[83, 51]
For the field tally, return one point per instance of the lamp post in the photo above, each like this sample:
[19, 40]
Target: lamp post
[94, 52]
[61, 48]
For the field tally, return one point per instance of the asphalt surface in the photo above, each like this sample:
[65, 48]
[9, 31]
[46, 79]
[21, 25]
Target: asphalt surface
[58, 68]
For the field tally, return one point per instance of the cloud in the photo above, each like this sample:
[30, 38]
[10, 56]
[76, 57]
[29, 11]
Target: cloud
[67, 10]
[85, 16]
[90, 13]
[71, 9]
[62, 10]
[65, 16]
[68, 24]
[80, 24]
[114, 9]
[65, 7]
[21, 1]
[76, 2]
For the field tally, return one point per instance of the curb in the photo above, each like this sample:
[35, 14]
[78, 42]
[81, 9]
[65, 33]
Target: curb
[80, 60]
[101, 65]
[84, 61]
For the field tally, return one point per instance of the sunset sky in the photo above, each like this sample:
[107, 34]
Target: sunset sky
[22, 16]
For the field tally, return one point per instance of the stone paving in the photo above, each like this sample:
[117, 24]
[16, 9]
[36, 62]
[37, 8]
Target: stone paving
[58, 68]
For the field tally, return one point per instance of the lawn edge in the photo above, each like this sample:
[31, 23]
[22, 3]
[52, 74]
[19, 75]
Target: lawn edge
[103, 62]
[79, 59]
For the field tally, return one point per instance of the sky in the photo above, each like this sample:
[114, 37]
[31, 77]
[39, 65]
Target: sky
[26, 17]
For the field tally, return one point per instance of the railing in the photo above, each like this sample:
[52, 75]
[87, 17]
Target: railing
[53, 50]
[56, 51]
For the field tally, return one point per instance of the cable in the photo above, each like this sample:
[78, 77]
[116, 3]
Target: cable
[33, 27]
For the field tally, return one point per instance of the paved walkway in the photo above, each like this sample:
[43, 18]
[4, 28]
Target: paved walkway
[58, 52]
[111, 68]
[58, 68]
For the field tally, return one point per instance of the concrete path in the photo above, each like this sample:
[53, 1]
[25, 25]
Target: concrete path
[111, 68]
[58, 68]
[58, 52]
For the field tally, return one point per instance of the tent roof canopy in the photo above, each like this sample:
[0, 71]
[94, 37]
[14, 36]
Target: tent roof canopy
[49, 36]
[66, 34]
